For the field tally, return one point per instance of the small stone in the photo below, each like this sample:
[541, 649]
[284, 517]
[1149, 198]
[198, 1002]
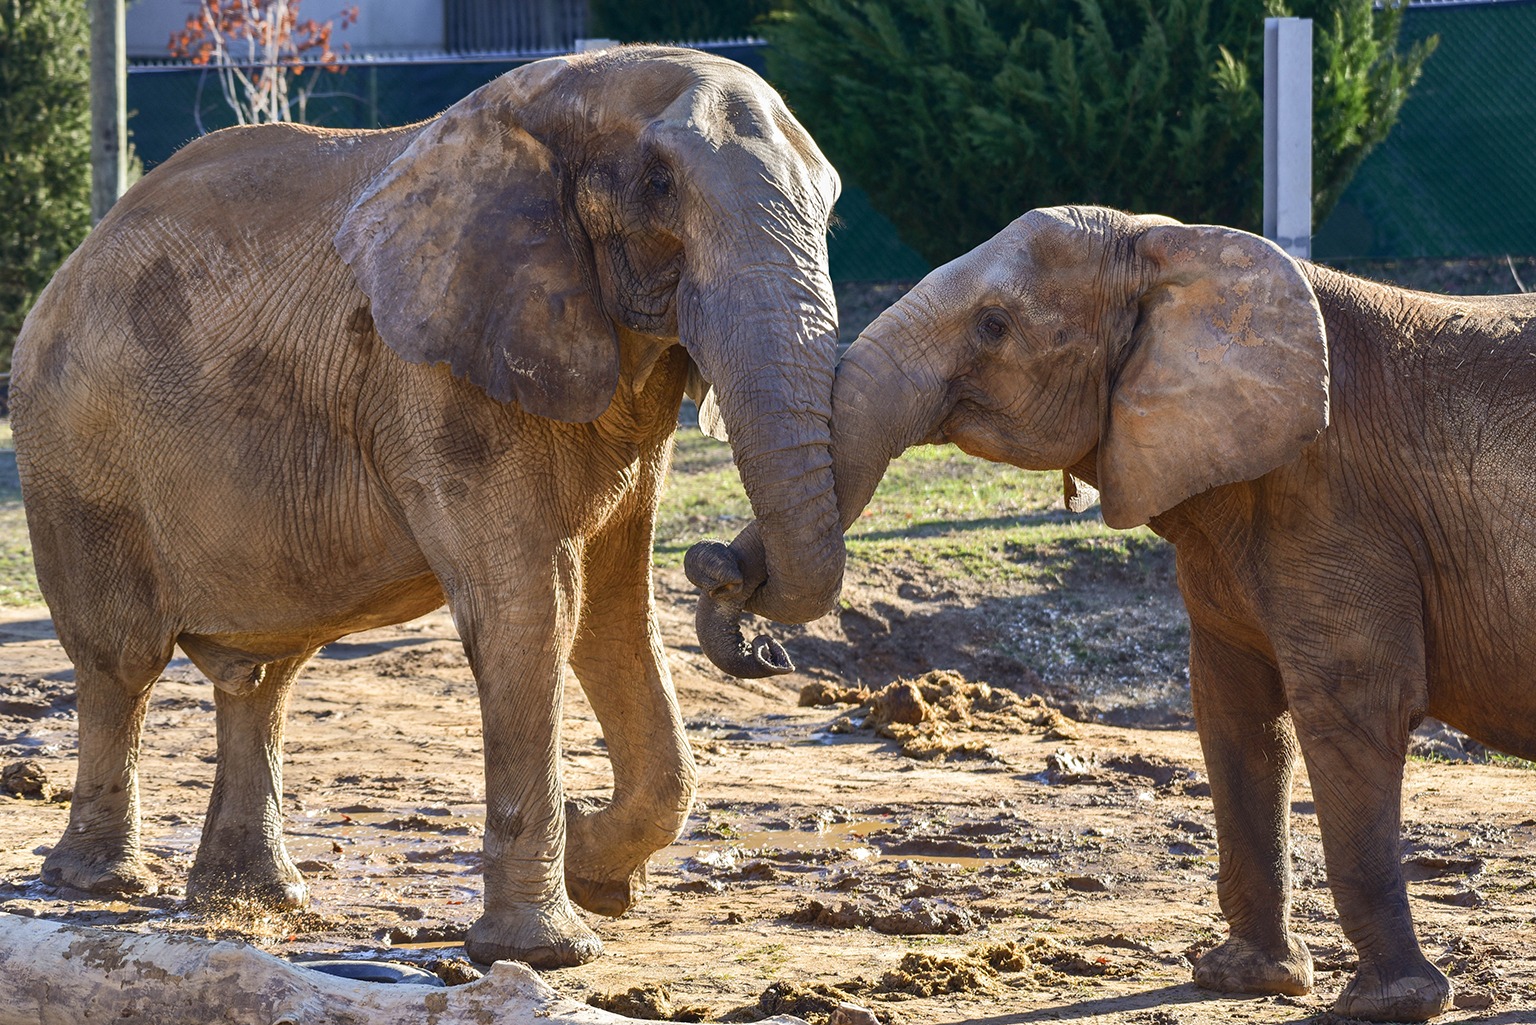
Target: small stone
[852, 1014]
[1472, 999]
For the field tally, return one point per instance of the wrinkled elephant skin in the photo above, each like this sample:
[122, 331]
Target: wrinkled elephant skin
[301, 383]
[1347, 473]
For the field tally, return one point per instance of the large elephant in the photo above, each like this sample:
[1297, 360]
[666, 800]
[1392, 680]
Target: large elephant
[1347, 472]
[302, 382]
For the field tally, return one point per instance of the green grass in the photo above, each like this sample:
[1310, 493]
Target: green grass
[18, 582]
[937, 508]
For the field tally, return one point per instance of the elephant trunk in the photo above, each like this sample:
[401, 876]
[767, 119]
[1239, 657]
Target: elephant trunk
[776, 407]
[880, 408]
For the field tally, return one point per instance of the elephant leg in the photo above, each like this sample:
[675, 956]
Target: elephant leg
[1353, 718]
[99, 851]
[518, 638]
[1250, 754]
[241, 857]
[621, 663]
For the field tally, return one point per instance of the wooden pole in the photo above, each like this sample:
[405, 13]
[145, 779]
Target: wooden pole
[109, 106]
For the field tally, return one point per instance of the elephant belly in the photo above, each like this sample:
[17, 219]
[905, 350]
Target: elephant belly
[1482, 674]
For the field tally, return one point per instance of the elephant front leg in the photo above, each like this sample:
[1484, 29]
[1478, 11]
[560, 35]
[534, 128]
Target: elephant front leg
[518, 649]
[621, 663]
[1354, 726]
[1250, 754]
[242, 858]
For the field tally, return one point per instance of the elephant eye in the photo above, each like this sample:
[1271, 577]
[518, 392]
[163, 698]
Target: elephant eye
[992, 325]
[658, 181]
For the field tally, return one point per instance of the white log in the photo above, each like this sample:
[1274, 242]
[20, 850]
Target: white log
[54, 973]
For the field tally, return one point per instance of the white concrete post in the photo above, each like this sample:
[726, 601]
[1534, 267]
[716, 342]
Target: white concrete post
[1288, 134]
[109, 106]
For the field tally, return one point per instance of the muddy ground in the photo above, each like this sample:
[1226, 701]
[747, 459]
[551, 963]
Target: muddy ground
[988, 859]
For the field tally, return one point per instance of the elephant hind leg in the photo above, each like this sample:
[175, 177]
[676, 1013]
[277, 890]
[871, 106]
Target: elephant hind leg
[99, 852]
[241, 857]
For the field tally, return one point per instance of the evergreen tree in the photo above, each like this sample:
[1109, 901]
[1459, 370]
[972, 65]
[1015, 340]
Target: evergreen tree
[669, 21]
[45, 161]
[958, 115]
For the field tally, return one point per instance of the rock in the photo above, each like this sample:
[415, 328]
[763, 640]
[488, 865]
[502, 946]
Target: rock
[1472, 999]
[922, 916]
[852, 1014]
[847, 915]
[1066, 766]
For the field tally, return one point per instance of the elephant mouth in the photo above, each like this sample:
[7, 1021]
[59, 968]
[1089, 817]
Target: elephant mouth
[649, 306]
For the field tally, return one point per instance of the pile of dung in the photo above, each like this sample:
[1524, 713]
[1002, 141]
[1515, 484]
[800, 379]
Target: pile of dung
[455, 971]
[28, 778]
[1006, 956]
[650, 1002]
[1045, 952]
[1041, 961]
[925, 714]
[924, 975]
[822, 694]
[815, 1003]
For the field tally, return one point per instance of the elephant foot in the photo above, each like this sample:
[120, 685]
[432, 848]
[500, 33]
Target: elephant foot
[608, 897]
[227, 883]
[601, 876]
[1239, 966]
[114, 871]
[541, 936]
[1418, 994]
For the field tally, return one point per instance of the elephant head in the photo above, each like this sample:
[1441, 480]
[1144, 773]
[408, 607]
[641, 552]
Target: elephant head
[1153, 360]
[573, 218]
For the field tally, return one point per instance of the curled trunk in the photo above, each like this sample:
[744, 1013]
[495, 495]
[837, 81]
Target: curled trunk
[882, 404]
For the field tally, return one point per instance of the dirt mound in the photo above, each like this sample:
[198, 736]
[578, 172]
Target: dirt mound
[920, 916]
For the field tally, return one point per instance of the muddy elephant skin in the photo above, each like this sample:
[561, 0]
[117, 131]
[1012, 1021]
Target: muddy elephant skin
[303, 382]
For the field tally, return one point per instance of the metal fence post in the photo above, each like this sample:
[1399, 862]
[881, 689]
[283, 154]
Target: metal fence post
[1288, 134]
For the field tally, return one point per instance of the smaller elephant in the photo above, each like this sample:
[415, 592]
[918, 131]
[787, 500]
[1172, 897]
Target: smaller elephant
[1347, 472]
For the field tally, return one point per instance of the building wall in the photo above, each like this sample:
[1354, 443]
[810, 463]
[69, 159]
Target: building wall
[383, 26]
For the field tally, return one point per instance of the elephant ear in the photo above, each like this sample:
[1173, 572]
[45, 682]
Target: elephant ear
[1227, 374]
[468, 257]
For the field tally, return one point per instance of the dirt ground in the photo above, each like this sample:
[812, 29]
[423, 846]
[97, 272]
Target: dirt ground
[988, 859]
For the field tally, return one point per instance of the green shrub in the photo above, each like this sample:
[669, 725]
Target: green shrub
[958, 115]
[45, 162]
[669, 21]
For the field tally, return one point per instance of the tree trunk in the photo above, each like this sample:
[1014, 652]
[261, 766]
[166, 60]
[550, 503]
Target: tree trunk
[52, 973]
